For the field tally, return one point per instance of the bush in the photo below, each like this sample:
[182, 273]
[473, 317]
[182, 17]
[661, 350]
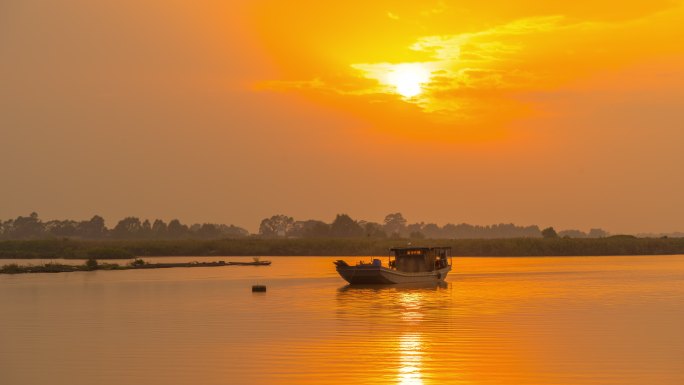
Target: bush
[138, 262]
[12, 268]
[91, 264]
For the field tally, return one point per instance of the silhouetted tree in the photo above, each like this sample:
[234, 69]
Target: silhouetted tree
[146, 229]
[344, 226]
[276, 226]
[65, 228]
[159, 229]
[94, 228]
[415, 228]
[374, 230]
[177, 230]
[129, 227]
[395, 224]
[549, 232]
[433, 231]
[209, 230]
[310, 229]
[194, 229]
[26, 227]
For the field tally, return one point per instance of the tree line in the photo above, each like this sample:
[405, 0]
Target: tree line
[396, 226]
[32, 227]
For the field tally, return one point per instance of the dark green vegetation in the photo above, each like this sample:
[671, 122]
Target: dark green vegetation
[108, 249]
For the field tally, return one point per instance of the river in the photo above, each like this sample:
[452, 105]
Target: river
[547, 320]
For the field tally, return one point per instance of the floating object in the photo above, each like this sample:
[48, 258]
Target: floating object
[410, 264]
[259, 288]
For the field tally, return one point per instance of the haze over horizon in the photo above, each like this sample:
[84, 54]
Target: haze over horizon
[564, 115]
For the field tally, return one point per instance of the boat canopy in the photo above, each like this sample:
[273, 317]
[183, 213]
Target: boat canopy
[420, 259]
[424, 249]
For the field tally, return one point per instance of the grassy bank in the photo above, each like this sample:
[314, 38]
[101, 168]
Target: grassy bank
[93, 264]
[122, 249]
[89, 265]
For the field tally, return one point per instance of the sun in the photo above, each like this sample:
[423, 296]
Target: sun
[408, 79]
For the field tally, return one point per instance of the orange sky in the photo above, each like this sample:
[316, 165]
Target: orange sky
[569, 115]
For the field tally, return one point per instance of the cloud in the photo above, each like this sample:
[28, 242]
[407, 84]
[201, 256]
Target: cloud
[482, 60]
[441, 7]
[478, 73]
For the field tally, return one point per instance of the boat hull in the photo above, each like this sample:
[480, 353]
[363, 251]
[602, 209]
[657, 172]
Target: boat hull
[367, 274]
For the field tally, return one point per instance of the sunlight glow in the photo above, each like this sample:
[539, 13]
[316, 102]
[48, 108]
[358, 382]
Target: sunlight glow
[408, 79]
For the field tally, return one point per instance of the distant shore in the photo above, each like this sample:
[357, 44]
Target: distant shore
[127, 249]
[92, 264]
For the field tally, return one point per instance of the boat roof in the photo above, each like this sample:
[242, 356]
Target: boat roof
[420, 248]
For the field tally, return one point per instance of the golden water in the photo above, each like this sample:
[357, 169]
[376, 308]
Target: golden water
[580, 320]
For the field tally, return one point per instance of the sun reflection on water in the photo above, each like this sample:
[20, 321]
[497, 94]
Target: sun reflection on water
[410, 344]
[400, 321]
[411, 357]
[411, 306]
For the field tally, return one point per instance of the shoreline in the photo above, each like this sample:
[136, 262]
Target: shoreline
[93, 265]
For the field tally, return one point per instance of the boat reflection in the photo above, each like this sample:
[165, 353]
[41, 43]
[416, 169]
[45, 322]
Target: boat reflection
[395, 287]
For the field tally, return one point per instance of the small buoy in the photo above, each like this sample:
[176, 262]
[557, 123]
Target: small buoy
[258, 288]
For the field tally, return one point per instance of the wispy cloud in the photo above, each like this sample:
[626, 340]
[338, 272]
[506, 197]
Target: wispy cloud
[469, 61]
[392, 15]
[477, 73]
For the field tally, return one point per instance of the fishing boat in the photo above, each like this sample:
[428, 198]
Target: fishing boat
[404, 265]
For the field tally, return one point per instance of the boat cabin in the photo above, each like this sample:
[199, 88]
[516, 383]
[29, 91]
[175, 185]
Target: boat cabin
[419, 259]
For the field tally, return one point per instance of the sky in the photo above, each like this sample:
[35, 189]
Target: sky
[564, 114]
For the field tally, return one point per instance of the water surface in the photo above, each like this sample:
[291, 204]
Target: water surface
[580, 320]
